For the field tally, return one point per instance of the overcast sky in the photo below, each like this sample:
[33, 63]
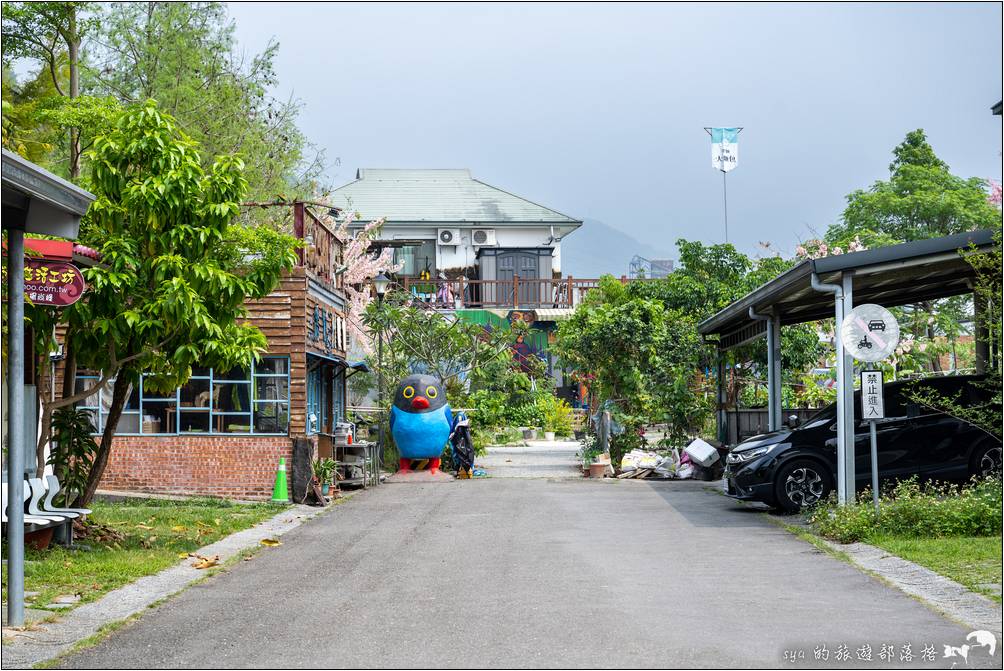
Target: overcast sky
[597, 110]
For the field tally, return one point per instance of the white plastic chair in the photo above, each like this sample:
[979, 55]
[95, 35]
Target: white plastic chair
[34, 490]
[53, 486]
[28, 519]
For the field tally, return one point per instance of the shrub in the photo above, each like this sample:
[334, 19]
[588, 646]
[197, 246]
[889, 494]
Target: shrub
[556, 414]
[912, 510]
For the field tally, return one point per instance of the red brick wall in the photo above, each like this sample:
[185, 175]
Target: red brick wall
[227, 466]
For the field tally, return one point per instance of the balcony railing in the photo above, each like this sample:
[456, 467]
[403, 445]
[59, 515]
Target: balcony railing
[516, 293]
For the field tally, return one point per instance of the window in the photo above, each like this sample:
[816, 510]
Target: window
[315, 402]
[238, 401]
[417, 258]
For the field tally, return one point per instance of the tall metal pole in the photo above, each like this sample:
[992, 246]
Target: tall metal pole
[380, 434]
[725, 199]
[15, 428]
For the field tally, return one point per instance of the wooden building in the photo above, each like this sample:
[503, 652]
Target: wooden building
[223, 433]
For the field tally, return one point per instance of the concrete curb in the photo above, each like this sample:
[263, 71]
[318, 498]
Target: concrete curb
[44, 642]
[943, 594]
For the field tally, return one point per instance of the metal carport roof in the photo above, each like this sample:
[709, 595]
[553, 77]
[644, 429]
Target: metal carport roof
[895, 275]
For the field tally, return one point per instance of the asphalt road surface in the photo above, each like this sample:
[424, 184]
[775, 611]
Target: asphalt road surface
[535, 572]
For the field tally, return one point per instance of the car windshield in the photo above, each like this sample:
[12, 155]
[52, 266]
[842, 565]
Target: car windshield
[824, 416]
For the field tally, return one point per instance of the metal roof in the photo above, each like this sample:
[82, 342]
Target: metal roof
[895, 275]
[36, 182]
[447, 197]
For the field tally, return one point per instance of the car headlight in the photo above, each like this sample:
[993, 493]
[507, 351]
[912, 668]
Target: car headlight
[746, 455]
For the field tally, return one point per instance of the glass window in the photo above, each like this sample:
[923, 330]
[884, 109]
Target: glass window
[231, 397]
[195, 393]
[417, 258]
[233, 423]
[271, 388]
[272, 365]
[237, 401]
[128, 423]
[235, 373]
[194, 421]
[271, 417]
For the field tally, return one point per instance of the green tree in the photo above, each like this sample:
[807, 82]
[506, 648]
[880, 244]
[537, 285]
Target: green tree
[184, 55]
[176, 270]
[50, 33]
[921, 199]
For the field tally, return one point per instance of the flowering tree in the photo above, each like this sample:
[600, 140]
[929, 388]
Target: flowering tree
[359, 266]
[994, 197]
[817, 249]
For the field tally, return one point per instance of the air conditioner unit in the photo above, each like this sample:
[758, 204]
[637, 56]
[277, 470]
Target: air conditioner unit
[483, 237]
[449, 236]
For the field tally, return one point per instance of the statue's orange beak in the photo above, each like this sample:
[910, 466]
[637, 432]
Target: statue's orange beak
[420, 403]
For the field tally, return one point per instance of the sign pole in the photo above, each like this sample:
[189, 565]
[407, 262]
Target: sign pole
[870, 333]
[874, 455]
[720, 163]
[725, 199]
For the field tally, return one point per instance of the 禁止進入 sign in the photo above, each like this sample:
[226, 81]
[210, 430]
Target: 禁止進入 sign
[869, 332]
[872, 400]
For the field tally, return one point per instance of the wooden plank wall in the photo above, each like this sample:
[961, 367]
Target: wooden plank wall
[281, 316]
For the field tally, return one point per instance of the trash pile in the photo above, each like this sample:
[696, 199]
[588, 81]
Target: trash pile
[668, 464]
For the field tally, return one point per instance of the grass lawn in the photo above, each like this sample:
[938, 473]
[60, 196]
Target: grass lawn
[969, 560]
[155, 534]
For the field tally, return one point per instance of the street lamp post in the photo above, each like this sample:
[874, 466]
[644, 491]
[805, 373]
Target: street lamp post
[380, 284]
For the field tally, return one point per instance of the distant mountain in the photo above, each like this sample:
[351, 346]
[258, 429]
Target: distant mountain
[596, 249]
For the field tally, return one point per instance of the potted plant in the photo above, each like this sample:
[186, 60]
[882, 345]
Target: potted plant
[324, 469]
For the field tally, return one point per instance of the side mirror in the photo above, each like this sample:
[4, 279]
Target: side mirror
[793, 421]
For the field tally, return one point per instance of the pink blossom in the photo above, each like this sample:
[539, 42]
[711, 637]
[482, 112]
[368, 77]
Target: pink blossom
[359, 266]
[994, 197]
[836, 251]
[800, 251]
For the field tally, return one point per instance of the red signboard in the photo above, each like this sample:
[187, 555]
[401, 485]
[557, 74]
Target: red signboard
[55, 283]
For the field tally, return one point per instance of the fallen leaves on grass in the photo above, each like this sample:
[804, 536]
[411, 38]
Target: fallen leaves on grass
[178, 528]
[270, 542]
[96, 532]
[206, 562]
[144, 527]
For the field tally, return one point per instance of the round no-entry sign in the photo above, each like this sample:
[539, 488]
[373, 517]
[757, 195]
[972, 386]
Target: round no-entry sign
[869, 332]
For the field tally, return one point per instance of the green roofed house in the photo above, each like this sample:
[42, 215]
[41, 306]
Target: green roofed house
[472, 249]
[462, 241]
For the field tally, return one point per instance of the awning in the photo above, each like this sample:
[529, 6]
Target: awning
[909, 272]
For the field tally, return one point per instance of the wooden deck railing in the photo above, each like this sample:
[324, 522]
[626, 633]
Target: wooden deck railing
[516, 293]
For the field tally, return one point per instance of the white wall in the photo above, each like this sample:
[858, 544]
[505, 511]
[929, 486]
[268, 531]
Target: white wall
[464, 254]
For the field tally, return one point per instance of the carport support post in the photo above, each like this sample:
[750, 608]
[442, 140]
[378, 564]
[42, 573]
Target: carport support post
[838, 313]
[774, 372]
[15, 428]
[846, 390]
[723, 430]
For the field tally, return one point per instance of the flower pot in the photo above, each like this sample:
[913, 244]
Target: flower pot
[598, 470]
[325, 487]
[549, 435]
[529, 434]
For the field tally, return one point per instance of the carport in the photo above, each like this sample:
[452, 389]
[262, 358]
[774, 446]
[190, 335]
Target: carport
[830, 287]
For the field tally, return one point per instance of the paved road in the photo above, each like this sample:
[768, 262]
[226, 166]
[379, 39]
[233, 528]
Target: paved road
[539, 459]
[529, 572]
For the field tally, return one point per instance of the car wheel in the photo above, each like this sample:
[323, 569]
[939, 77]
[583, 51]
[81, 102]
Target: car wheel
[800, 484]
[987, 461]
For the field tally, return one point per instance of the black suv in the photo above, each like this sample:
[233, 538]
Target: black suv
[796, 467]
